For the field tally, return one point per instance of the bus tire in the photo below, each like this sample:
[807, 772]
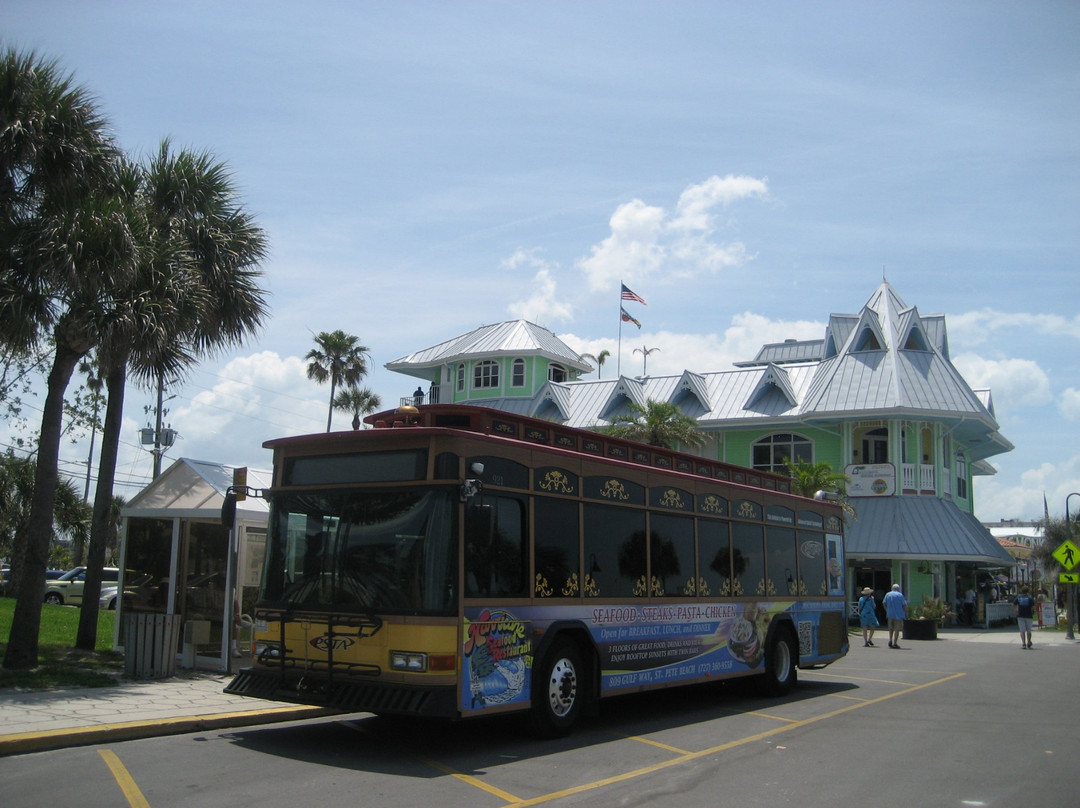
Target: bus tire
[781, 655]
[558, 691]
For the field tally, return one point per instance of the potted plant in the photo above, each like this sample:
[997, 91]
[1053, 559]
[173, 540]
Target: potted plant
[925, 619]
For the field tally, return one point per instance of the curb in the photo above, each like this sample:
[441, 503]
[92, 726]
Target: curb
[46, 740]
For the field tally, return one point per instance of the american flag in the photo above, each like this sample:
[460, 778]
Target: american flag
[628, 294]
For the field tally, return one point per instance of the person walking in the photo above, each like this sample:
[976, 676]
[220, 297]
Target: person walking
[895, 613]
[868, 616]
[1025, 613]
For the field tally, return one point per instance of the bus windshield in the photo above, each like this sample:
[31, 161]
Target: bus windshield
[387, 551]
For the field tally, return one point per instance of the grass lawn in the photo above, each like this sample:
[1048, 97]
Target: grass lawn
[59, 663]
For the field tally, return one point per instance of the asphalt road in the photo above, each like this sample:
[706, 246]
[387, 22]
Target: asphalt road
[935, 724]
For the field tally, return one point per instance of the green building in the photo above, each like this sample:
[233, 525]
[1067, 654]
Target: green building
[877, 397]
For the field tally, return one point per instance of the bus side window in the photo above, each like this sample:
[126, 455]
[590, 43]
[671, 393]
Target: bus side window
[495, 557]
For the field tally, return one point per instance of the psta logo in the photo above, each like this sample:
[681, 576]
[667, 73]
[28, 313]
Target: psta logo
[324, 643]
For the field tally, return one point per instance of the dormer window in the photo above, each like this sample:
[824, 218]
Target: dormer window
[915, 341]
[557, 373]
[486, 375]
[868, 342]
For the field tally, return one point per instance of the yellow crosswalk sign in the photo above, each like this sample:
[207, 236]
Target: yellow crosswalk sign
[1067, 554]
[1069, 577]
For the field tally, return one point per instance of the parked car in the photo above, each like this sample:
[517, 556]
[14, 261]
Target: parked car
[5, 579]
[68, 588]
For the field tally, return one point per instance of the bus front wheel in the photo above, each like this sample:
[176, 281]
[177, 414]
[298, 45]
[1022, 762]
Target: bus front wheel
[780, 656]
[557, 691]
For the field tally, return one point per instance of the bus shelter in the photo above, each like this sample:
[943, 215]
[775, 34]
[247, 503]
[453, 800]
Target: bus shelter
[178, 560]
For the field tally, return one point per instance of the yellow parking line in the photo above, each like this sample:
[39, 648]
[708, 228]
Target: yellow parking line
[691, 756]
[124, 779]
[651, 742]
[472, 781]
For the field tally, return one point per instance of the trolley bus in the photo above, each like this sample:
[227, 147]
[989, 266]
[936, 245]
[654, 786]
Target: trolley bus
[460, 561]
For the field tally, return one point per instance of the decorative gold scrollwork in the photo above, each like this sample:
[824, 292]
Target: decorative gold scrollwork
[823, 589]
[711, 504]
[766, 587]
[689, 588]
[558, 482]
[672, 499]
[641, 588]
[655, 589]
[542, 587]
[746, 510]
[570, 588]
[703, 588]
[613, 489]
[591, 589]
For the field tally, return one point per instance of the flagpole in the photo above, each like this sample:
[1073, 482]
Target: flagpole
[618, 363]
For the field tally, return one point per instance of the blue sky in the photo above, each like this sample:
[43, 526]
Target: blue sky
[748, 168]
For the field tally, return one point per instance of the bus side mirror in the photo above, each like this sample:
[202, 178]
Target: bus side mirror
[228, 510]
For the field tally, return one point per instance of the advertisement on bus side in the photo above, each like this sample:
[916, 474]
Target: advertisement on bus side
[637, 645]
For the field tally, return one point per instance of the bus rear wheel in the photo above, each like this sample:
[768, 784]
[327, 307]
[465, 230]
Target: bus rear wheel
[557, 691]
[780, 674]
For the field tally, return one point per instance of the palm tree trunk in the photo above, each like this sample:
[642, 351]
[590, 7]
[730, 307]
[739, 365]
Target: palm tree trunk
[330, 414]
[115, 381]
[22, 649]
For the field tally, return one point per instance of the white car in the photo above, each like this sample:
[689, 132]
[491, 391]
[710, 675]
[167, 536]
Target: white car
[68, 588]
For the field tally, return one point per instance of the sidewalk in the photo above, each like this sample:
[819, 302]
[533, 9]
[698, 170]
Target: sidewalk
[32, 721]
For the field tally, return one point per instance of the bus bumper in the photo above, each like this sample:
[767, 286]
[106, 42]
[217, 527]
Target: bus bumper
[346, 695]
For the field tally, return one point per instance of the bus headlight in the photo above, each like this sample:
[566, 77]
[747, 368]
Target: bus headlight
[411, 661]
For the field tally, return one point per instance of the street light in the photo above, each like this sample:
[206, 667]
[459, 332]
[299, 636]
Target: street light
[1070, 608]
[1067, 498]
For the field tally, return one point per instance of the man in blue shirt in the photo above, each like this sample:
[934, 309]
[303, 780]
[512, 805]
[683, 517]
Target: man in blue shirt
[895, 611]
[1025, 613]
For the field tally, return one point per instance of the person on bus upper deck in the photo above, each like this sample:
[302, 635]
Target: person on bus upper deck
[418, 396]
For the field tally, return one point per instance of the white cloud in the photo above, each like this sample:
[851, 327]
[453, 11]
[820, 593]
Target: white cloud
[1015, 383]
[541, 306]
[646, 239]
[976, 327]
[997, 500]
[696, 352]
[1069, 404]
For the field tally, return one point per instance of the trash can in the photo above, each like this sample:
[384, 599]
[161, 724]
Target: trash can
[150, 643]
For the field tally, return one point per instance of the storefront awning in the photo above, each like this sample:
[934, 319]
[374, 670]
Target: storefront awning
[920, 527]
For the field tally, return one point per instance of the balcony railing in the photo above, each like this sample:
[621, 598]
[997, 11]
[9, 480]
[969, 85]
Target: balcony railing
[431, 397]
[920, 477]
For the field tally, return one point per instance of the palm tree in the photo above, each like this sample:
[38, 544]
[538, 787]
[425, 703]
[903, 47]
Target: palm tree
[339, 358]
[359, 401]
[194, 292]
[598, 360]
[807, 479]
[67, 241]
[16, 495]
[658, 423]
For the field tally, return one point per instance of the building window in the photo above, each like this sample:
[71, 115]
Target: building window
[771, 451]
[961, 477]
[556, 373]
[517, 379]
[875, 446]
[460, 378]
[485, 375]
